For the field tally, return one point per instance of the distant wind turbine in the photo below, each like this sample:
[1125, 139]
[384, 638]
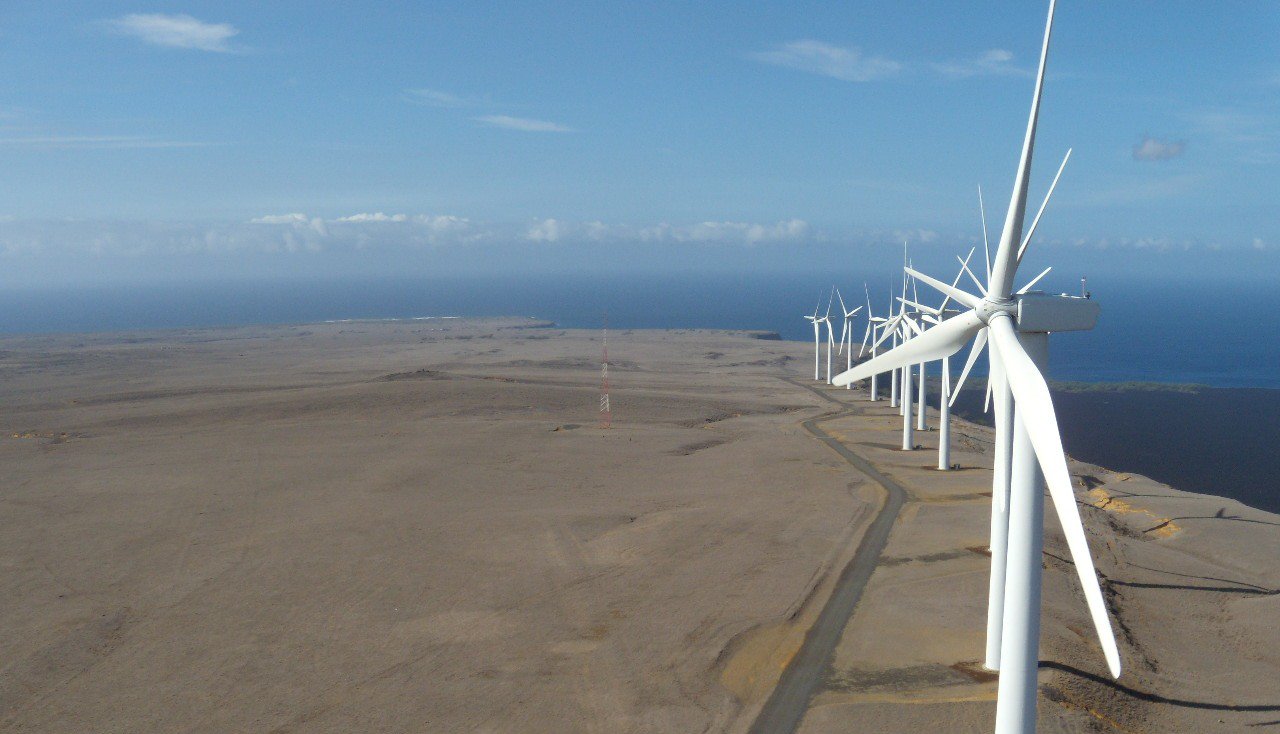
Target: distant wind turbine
[817, 335]
[936, 316]
[846, 333]
[830, 331]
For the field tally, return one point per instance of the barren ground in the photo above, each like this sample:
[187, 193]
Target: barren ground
[418, 526]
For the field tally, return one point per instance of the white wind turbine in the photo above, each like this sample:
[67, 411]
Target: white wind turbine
[1015, 325]
[900, 326]
[831, 339]
[1003, 459]
[846, 333]
[817, 335]
[873, 324]
[936, 316]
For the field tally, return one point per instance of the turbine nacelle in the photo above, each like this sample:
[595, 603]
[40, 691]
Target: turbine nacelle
[1041, 312]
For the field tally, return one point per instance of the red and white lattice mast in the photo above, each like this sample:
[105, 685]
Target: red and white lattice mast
[606, 414]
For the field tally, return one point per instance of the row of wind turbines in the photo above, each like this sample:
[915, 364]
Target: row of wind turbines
[1011, 325]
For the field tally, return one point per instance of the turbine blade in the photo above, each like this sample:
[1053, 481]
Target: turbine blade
[921, 307]
[1036, 222]
[933, 344]
[1034, 280]
[965, 299]
[843, 308]
[985, 246]
[1005, 264]
[986, 401]
[963, 265]
[1035, 407]
[865, 335]
[979, 343]
[913, 325]
[887, 330]
[972, 277]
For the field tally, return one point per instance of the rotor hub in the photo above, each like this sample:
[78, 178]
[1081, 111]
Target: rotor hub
[989, 307]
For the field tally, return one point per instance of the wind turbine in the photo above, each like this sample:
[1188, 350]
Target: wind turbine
[936, 316]
[817, 333]
[900, 326]
[1016, 325]
[847, 333]
[873, 323]
[830, 335]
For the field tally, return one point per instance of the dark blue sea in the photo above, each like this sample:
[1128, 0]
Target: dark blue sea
[1168, 331]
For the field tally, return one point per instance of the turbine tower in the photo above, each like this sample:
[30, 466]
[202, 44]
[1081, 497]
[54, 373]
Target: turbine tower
[1015, 325]
[873, 322]
[817, 332]
[893, 374]
[606, 411]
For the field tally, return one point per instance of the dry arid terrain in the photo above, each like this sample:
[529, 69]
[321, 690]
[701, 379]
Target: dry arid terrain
[418, 526]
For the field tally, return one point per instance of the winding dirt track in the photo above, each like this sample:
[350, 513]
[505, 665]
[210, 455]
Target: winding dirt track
[786, 706]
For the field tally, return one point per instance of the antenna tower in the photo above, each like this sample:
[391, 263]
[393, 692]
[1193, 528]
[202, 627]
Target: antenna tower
[606, 414]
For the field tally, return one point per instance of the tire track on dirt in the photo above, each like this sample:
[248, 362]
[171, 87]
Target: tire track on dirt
[786, 706]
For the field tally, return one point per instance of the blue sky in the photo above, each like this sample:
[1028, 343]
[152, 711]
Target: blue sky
[173, 137]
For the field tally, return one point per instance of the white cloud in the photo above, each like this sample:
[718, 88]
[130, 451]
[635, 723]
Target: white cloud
[595, 230]
[443, 223]
[437, 98]
[295, 218]
[994, 62]
[547, 230]
[709, 232]
[176, 31]
[523, 124]
[300, 235]
[374, 217]
[746, 232]
[1151, 149]
[750, 233]
[839, 62]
